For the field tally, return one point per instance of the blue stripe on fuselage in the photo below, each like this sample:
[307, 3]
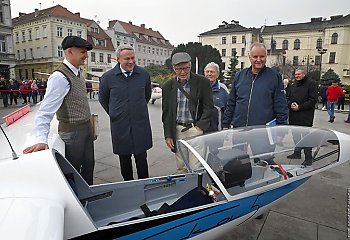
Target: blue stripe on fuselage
[210, 218]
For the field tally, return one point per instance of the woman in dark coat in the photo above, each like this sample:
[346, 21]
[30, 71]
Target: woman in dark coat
[124, 93]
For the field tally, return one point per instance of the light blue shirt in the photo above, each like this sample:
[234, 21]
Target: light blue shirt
[57, 88]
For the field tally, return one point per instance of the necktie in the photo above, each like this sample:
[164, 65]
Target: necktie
[78, 74]
[128, 74]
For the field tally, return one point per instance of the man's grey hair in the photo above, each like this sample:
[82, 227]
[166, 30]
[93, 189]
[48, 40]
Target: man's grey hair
[259, 45]
[123, 47]
[301, 69]
[213, 65]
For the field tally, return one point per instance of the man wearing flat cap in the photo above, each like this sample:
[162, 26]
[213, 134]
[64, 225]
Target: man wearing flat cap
[66, 97]
[187, 104]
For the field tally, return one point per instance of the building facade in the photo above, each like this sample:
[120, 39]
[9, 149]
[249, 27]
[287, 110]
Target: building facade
[37, 40]
[7, 56]
[319, 44]
[100, 57]
[150, 46]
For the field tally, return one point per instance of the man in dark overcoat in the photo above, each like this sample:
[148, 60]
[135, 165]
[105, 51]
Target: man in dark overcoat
[124, 93]
[302, 97]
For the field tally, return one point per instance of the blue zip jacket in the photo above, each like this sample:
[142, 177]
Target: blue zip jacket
[256, 100]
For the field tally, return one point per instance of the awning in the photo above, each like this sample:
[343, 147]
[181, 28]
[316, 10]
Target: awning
[96, 74]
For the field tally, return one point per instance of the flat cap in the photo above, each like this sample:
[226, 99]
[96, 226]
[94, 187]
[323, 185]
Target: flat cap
[75, 41]
[180, 57]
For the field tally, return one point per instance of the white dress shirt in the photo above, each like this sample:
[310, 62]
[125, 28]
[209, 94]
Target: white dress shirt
[57, 88]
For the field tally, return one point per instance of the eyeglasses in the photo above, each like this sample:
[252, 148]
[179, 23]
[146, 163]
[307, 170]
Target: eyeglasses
[185, 69]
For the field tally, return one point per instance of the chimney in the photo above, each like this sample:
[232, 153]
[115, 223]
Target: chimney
[150, 29]
[36, 12]
[335, 17]
[21, 14]
[142, 26]
[318, 19]
[77, 14]
[279, 23]
[130, 22]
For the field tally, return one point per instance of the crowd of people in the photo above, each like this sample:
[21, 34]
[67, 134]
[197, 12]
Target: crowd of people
[192, 105]
[28, 90]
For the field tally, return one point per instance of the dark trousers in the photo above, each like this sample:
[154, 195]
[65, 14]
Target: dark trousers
[80, 152]
[141, 166]
[4, 99]
[297, 136]
[13, 97]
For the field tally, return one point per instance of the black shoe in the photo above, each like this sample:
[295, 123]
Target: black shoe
[307, 163]
[260, 216]
[332, 119]
[347, 121]
[294, 156]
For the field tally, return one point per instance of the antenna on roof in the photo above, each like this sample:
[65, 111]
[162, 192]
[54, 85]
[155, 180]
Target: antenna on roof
[40, 6]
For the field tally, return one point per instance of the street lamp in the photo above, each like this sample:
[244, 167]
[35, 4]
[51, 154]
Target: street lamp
[308, 58]
[321, 51]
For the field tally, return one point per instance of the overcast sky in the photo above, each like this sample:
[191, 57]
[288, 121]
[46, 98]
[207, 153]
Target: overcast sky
[181, 21]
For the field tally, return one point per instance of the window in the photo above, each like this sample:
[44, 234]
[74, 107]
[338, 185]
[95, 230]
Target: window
[2, 44]
[93, 57]
[79, 33]
[233, 51]
[44, 32]
[59, 31]
[243, 39]
[139, 48]
[152, 50]
[285, 44]
[223, 53]
[139, 61]
[319, 43]
[31, 53]
[1, 15]
[25, 53]
[18, 55]
[332, 57]
[223, 40]
[109, 57]
[297, 44]
[223, 66]
[295, 60]
[23, 36]
[242, 65]
[234, 39]
[69, 32]
[334, 39]
[144, 49]
[101, 57]
[37, 33]
[118, 43]
[30, 34]
[100, 42]
[317, 60]
[273, 44]
[243, 52]
[149, 49]
[17, 37]
[60, 51]
[157, 51]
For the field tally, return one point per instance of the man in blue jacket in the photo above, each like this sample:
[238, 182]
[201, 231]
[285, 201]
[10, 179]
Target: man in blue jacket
[124, 93]
[257, 96]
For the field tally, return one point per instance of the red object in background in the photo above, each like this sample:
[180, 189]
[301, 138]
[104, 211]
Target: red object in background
[13, 117]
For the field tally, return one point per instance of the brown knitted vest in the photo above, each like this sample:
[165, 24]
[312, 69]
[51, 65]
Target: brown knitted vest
[75, 107]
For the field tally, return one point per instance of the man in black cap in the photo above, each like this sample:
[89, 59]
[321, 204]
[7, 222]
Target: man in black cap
[187, 104]
[66, 97]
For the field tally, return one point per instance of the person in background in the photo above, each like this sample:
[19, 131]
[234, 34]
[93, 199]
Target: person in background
[302, 97]
[124, 93]
[3, 91]
[42, 88]
[220, 96]
[34, 88]
[323, 95]
[14, 87]
[333, 93]
[187, 105]
[341, 100]
[66, 97]
[24, 91]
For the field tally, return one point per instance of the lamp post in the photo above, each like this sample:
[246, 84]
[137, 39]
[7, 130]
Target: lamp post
[308, 58]
[321, 51]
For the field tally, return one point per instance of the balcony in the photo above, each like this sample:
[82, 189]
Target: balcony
[7, 57]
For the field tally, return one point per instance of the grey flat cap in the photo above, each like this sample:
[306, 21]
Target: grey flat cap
[74, 41]
[180, 57]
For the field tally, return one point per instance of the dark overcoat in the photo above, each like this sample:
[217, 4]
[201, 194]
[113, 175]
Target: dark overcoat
[305, 93]
[125, 100]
